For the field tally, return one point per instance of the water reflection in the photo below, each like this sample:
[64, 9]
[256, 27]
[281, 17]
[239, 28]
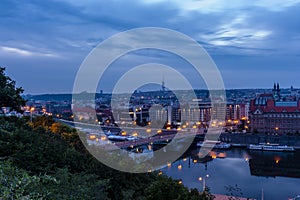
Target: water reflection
[278, 174]
[271, 164]
[261, 163]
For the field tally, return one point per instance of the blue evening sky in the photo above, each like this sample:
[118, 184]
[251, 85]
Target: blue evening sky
[253, 43]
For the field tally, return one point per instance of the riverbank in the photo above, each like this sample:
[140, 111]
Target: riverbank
[245, 139]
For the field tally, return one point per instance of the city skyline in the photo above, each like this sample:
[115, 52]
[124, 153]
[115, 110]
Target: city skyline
[253, 44]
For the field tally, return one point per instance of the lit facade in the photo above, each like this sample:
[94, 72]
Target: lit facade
[270, 114]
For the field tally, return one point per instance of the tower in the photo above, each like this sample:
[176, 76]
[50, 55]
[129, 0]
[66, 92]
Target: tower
[163, 84]
[274, 89]
[278, 90]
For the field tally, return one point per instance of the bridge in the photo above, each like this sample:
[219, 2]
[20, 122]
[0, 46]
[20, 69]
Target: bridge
[155, 139]
[165, 136]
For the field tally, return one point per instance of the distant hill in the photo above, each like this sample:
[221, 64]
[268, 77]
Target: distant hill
[60, 97]
[50, 97]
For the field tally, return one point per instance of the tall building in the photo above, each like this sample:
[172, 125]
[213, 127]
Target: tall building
[269, 113]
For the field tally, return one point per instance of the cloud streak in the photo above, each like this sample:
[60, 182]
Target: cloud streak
[26, 53]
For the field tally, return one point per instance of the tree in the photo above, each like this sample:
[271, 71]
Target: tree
[10, 95]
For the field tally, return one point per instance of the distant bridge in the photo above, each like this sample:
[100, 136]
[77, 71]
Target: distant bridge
[155, 139]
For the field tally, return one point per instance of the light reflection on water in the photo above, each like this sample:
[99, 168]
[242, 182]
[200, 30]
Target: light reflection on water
[278, 174]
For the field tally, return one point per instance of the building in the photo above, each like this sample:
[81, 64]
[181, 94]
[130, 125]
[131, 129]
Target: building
[270, 114]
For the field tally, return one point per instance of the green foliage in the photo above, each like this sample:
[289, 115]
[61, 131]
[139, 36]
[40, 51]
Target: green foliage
[18, 184]
[234, 192]
[55, 166]
[167, 188]
[207, 195]
[10, 95]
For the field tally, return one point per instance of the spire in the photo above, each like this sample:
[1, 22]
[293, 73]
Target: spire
[274, 87]
[278, 89]
[163, 84]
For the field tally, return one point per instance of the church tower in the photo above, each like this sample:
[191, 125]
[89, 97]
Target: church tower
[276, 91]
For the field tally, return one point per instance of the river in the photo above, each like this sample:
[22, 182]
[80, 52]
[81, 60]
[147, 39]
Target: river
[248, 172]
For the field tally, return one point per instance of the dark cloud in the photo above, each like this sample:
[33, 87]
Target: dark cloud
[51, 36]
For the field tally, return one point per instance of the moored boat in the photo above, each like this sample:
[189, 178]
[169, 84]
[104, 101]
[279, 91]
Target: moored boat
[214, 144]
[270, 147]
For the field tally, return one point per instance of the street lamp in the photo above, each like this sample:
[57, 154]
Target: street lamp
[31, 110]
[203, 179]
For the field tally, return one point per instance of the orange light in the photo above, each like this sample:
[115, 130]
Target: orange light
[92, 137]
[180, 182]
[179, 167]
[124, 133]
[277, 159]
[159, 131]
[148, 130]
[222, 155]
[213, 154]
[135, 134]
[194, 161]
[169, 165]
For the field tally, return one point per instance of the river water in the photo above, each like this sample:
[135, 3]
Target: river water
[250, 173]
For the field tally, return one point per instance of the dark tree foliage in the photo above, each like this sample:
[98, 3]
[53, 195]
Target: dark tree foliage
[47, 158]
[10, 95]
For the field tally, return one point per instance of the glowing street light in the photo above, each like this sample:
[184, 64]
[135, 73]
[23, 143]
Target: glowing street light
[179, 167]
[31, 110]
[203, 179]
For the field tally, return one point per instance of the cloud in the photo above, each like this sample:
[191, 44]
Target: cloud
[276, 5]
[212, 6]
[22, 52]
[65, 31]
[17, 51]
[237, 34]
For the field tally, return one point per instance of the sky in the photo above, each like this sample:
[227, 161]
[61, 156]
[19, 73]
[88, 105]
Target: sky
[253, 43]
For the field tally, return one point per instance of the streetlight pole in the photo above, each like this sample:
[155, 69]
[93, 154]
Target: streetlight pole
[203, 179]
[31, 110]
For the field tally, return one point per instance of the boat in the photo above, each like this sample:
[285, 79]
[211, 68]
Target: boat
[270, 147]
[214, 144]
[119, 138]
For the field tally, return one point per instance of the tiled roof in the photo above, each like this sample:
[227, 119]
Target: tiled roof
[270, 107]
